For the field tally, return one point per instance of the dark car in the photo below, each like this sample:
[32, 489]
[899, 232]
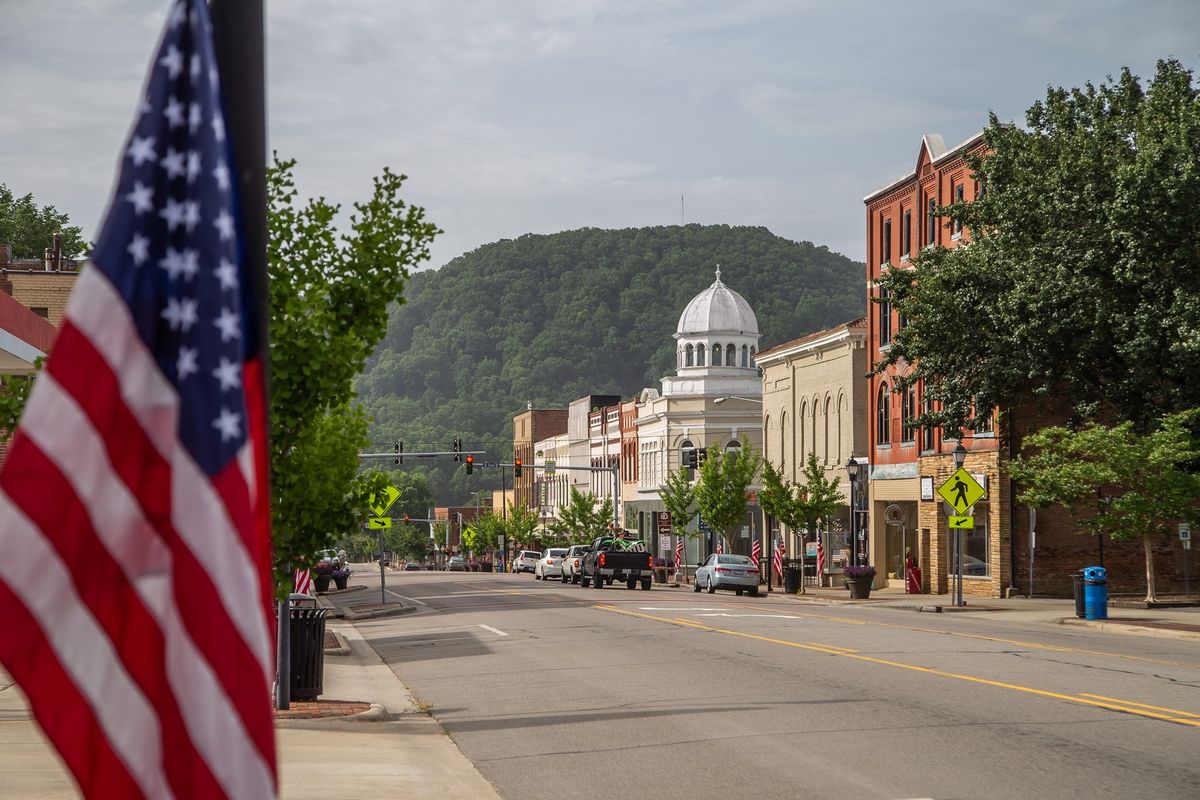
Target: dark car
[411, 566]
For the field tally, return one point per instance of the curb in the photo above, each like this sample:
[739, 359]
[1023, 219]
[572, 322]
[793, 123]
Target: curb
[376, 713]
[355, 616]
[1134, 630]
[342, 648]
[348, 590]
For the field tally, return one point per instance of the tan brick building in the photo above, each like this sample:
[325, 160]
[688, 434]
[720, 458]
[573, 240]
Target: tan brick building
[42, 286]
[530, 427]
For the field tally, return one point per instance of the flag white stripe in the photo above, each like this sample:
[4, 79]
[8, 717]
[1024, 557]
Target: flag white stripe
[198, 513]
[34, 571]
[59, 428]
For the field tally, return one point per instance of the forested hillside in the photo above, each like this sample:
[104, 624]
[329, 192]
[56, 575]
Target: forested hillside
[546, 319]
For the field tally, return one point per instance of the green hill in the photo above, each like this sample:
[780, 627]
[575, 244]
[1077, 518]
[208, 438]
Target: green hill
[546, 319]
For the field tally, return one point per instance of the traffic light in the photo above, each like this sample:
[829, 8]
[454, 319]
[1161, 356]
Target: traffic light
[407, 518]
[689, 459]
[457, 447]
[399, 452]
[516, 467]
[470, 463]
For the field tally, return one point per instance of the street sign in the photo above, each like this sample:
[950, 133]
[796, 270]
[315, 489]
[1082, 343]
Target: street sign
[548, 470]
[702, 524]
[381, 503]
[1185, 532]
[961, 491]
[962, 522]
[664, 522]
[664, 543]
[379, 523]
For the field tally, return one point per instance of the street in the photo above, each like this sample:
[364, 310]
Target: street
[556, 691]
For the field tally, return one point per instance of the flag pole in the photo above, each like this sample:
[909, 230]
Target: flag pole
[239, 42]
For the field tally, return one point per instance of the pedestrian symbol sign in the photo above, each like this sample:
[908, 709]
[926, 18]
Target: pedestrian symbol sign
[962, 522]
[382, 501]
[379, 523]
[961, 491]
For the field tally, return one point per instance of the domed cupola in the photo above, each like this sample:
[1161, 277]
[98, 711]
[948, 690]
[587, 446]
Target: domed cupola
[717, 333]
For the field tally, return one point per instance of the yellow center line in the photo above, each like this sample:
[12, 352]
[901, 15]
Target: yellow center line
[980, 636]
[1141, 705]
[1080, 700]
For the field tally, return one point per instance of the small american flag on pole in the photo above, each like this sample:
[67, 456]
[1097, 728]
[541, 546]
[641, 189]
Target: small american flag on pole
[756, 551]
[136, 582]
[779, 557]
[820, 558]
[720, 545]
[303, 582]
[679, 554]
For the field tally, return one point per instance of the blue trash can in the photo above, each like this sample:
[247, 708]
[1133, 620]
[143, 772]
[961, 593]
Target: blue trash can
[1095, 593]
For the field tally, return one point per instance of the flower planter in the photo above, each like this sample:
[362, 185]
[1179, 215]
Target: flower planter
[340, 581]
[860, 588]
[660, 575]
[322, 582]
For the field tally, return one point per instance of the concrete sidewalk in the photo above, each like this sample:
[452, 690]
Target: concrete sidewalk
[394, 750]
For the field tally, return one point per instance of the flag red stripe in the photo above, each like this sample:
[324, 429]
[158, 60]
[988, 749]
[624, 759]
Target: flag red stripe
[137, 462]
[109, 595]
[260, 545]
[101, 316]
[61, 710]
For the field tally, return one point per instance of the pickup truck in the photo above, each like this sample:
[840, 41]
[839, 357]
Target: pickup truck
[612, 558]
[571, 561]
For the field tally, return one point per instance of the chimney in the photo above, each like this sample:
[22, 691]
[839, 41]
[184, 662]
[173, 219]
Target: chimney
[57, 252]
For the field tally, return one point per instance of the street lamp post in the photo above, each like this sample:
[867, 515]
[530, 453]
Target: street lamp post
[852, 468]
[960, 457]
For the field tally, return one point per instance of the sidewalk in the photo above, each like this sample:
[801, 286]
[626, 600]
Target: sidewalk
[391, 750]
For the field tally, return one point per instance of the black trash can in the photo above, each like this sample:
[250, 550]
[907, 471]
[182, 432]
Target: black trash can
[1080, 607]
[791, 577]
[307, 644]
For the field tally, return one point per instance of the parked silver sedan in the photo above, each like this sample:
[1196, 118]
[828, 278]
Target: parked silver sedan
[550, 564]
[737, 573]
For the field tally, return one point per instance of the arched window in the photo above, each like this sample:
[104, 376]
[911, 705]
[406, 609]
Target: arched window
[716, 359]
[828, 452]
[766, 439]
[908, 410]
[690, 355]
[752, 354]
[782, 441]
[699, 355]
[812, 429]
[841, 406]
[745, 356]
[802, 454]
[883, 415]
[684, 446]
[731, 356]
[734, 445]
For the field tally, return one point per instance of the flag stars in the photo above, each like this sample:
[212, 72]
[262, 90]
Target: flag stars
[139, 249]
[172, 162]
[173, 214]
[141, 150]
[224, 225]
[221, 173]
[194, 70]
[180, 262]
[227, 273]
[218, 126]
[229, 324]
[173, 61]
[193, 166]
[191, 215]
[229, 424]
[229, 373]
[178, 15]
[174, 113]
[186, 363]
[180, 314]
[193, 117]
[142, 198]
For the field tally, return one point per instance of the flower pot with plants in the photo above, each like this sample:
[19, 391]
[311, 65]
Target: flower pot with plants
[660, 570]
[859, 580]
[340, 578]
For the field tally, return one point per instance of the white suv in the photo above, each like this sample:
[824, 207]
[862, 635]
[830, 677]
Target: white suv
[526, 561]
[570, 563]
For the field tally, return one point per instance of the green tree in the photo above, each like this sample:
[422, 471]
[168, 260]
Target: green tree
[581, 520]
[483, 534]
[410, 541]
[1081, 284]
[14, 391]
[522, 524]
[30, 228]
[1147, 480]
[721, 486]
[678, 497]
[328, 309]
[801, 507]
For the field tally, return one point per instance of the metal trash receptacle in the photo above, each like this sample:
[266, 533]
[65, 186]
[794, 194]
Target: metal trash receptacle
[791, 576]
[1095, 593]
[307, 644]
[1077, 581]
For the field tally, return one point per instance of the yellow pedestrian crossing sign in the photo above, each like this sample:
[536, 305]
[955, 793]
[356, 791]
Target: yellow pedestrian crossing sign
[961, 491]
[381, 502]
[379, 523]
[962, 522]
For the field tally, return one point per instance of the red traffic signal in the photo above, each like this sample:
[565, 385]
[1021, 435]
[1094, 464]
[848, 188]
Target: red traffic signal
[470, 463]
[516, 467]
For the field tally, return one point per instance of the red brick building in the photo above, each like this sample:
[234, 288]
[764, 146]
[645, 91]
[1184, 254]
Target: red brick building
[530, 427]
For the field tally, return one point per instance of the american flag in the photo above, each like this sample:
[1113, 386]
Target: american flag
[136, 575]
[302, 581]
[720, 545]
[756, 551]
[820, 558]
[779, 557]
[679, 554]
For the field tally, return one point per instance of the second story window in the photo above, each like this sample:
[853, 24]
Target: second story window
[958, 198]
[906, 235]
[886, 244]
[931, 237]
[908, 432]
[883, 416]
[885, 318]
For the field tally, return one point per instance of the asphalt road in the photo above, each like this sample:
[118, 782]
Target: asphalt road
[557, 691]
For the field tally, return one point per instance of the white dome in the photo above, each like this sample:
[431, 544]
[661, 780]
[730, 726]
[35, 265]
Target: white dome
[718, 309]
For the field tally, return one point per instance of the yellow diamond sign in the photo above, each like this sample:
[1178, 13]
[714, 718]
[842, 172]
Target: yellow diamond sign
[961, 491]
[381, 502]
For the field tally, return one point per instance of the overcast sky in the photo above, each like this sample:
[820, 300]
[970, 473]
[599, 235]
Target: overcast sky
[521, 116]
